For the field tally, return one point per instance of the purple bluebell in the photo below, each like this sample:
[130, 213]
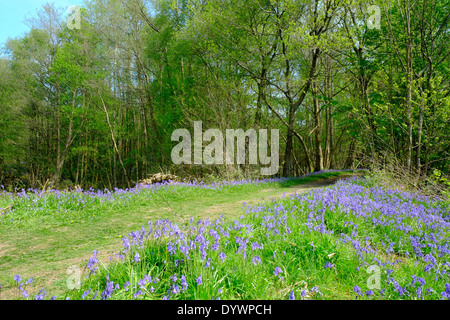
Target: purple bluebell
[292, 295]
[277, 271]
[86, 293]
[369, 293]
[256, 260]
[184, 283]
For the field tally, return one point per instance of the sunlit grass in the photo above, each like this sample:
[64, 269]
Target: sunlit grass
[45, 234]
[314, 246]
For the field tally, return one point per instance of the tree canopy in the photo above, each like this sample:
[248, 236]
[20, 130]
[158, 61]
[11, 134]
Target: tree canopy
[96, 106]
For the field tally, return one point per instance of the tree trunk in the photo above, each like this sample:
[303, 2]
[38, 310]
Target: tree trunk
[409, 86]
[317, 128]
[115, 143]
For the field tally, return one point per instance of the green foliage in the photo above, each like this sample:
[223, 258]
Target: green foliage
[161, 65]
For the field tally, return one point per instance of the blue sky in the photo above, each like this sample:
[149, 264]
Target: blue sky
[14, 12]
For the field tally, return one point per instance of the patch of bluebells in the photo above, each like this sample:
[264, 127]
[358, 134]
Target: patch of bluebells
[22, 285]
[40, 295]
[446, 294]
[358, 205]
[92, 263]
[62, 202]
[357, 291]
[412, 226]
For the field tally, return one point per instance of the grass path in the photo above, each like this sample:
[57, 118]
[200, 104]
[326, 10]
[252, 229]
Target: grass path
[46, 250]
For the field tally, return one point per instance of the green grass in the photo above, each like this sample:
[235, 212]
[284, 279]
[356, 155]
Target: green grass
[301, 252]
[43, 237]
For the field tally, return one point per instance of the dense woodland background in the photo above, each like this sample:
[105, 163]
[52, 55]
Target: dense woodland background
[96, 107]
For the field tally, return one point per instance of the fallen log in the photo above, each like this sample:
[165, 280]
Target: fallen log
[160, 178]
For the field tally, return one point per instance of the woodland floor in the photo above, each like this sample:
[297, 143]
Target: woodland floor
[45, 252]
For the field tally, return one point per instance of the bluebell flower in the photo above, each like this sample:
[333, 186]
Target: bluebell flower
[292, 295]
[175, 289]
[256, 260]
[199, 280]
[40, 295]
[106, 294]
[142, 283]
[277, 271]
[138, 293]
[171, 248]
[86, 293]
[184, 282]
[303, 294]
[316, 289]
[446, 293]
[148, 278]
[428, 268]
[419, 280]
[429, 258]
[419, 292]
